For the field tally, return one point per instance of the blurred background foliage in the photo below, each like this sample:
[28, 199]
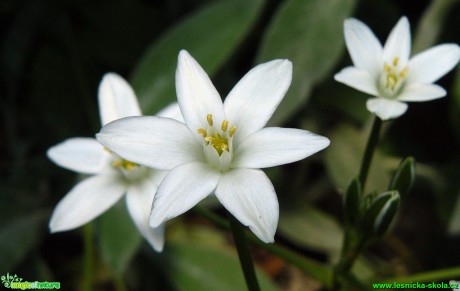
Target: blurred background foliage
[53, 54]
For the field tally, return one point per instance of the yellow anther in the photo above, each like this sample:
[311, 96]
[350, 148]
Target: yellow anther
[395, 61]
[232, 131]
[403, 73]
[203, 132]
[209, 118]
[224, 125]
[208, 138]
[127, 165]
[116, 163]
[386, 67]
[392, 80]
[224, 147]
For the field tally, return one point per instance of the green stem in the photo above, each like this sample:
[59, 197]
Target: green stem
[443, 274]
[309, 266]
[89, 257]
[368, 153]
[247, 265]
[351, 248]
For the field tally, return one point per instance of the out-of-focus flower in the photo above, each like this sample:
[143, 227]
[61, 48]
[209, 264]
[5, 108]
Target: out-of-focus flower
[220, 147]
[110, 175]
[387, 72]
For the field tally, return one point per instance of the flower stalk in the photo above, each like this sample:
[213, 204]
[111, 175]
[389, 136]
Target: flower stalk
[244, 255]
[369, 151]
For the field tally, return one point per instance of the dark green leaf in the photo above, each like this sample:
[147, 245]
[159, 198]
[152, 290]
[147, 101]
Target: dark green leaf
[386, 215]
[210, 35]
[352, 201]
[377, 212]
[119, 239]
[310, 34]
[404, 177]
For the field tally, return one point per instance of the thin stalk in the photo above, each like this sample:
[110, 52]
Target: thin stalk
[369, 152]
[88, 263]
[317, 270]
[247, 265]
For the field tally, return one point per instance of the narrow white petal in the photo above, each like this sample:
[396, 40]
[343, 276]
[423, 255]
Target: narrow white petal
[421, 92]
[386, 108]
[253, 100]
[87, 200]
[364, 47]
[358, 79]
[181, 189]
[398, 43]
[250, 197]
[82, 155]
[139, 200]
[160, 143]
[116, 99]
[273, 146]
[430, 65]
[196, 94]
[171, 111]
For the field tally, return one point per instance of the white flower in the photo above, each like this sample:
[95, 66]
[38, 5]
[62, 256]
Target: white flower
[111, 176]
[220, 147]
[388, 73]
[455, 285]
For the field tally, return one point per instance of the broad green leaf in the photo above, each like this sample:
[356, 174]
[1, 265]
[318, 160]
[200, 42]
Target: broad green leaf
[18, 237]
[404, 177]
[211, 35]
[343, 160]
[310, 227]
[310, 34]
[454, 225]
[431, 24]
[199, 267]
[119, 238]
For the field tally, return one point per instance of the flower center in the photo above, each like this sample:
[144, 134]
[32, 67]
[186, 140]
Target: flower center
[393, 77]
[220, 140]
[125, 165]
[129, 170]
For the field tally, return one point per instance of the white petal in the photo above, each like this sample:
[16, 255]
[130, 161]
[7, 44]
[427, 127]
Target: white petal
[253, 100]
[364, 47]
[196, 94]
[139, 200]
[171, 111]
[116, 99]
[359, 79]
[87, 200]
[421, 92]
[398, 43]
[430, 65]
[157, 142]
[386, 108]
[273, 146]
[250, 197]
[181, 189]
[82, 155]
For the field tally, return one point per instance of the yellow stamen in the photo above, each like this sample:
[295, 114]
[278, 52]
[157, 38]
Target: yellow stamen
[392, 80]
[395, 61]
[403, 73]
[232, 131]
[209, 118]
[224, 125]
[386, 67]
[127, 165]
[203, 132]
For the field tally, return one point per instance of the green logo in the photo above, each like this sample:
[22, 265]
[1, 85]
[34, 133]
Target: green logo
[14, 282]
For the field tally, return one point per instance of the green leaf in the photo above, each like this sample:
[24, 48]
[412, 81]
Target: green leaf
[404, 177]
[211, 35]
[310, 227]
[352, 201]
[200, 267]
[379, 214]
[18, 237]
[386, 215]
[119, 239]
[310, 34]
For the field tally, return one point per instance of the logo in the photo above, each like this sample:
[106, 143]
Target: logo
[14, 282]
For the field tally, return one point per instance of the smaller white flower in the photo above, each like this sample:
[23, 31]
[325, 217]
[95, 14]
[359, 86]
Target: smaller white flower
[455, 285]
[221, 146]
[387, 72]
[111, 176]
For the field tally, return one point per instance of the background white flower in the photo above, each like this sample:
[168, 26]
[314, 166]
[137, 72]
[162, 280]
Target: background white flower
[388, 73]
[455, 283]
[220, 147]
[111, 176]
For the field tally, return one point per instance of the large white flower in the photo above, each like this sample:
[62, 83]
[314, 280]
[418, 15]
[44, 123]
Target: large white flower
[388, 73]
[111, 176]
[220, 147]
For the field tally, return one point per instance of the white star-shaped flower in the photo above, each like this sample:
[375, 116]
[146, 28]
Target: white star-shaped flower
[388, 73]
[111, 176]
[220, 147]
